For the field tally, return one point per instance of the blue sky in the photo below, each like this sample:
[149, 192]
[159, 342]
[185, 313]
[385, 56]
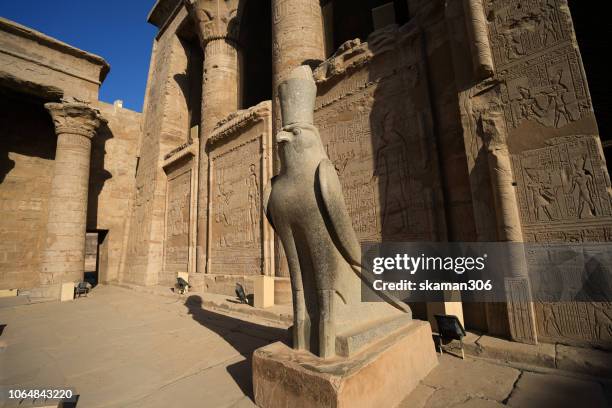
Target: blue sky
[113, 29]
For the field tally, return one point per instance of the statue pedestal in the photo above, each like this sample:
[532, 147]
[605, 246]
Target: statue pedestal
[381, 375]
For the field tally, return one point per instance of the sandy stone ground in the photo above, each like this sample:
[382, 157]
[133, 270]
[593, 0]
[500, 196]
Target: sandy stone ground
[120, 348]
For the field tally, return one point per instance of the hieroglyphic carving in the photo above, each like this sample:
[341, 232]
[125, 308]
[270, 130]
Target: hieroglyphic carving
[284, 8]
[577, 272]
[565, 181]
[236, 196]
[549, 89]
[375, 122]
[522, 28]
[176, 245]
[537, 60]
[239, 156]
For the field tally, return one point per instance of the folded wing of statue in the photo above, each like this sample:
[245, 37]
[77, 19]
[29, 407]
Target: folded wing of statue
[306, 207]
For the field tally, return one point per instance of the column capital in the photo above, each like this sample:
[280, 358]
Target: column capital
[215, 19]
[75, 118]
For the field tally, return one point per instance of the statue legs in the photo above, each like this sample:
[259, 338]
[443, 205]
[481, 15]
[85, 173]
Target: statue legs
[327, 327]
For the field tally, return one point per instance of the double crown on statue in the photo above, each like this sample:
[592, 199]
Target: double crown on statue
[297, 96]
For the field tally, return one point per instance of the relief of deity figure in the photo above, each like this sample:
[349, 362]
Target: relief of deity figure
[221, 217]
[550, 319]
[543, 196]
[547, 26]
[390, 166]
[512, 45]
[556, 100]
[582, 181]
[253, 200]
[529, 109]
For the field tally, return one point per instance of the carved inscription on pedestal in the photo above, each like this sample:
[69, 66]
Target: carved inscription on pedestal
[375, 122]
[176, 246]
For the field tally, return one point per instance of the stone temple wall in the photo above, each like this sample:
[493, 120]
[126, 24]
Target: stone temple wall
[240, 165]
[111, 183]
[165, 126]
[26, 167]
[179, 230]
[374, 113]
[523, 91]
[415, 120]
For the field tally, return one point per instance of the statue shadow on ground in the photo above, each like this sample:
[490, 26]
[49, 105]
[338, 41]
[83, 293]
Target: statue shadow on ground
[242, 335]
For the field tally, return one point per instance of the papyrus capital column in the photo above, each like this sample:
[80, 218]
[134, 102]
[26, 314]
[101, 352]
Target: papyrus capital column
[64, 255]
[298, 38]
[217, 24]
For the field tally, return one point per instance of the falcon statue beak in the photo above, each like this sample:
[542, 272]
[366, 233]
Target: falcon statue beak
[283, 137]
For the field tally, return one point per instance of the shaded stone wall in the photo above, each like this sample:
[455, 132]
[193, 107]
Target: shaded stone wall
[374, 114]
[112, 182]
[27, 151]
[165, 126]
[522, 88]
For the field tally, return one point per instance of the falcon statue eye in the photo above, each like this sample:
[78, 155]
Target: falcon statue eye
[296, 131]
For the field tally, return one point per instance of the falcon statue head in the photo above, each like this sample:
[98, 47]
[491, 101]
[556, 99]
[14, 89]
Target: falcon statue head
[298, 135]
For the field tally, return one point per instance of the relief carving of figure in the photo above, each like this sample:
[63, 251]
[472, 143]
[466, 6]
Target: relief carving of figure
[528, 105]
[253, 200]
[223, 199]
[512, 45]
[543, 196]
[556, 100]
[582, 182]
[550, 319]
[390, 166]
[547, 26]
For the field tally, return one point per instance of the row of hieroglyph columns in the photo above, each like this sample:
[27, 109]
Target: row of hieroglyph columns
[297, 35]
[63, 257]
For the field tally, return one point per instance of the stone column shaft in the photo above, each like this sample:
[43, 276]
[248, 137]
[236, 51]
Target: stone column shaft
[64, 255]
[221, 92]
[298, 38]
[217, 24]
[521, 314]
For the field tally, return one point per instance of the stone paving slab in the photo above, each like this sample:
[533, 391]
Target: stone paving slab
[539, 390]
[457, 381]
[594, 362]
[557, 356]
[120, 348]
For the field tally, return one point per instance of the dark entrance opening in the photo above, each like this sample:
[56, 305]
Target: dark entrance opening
[352, 19]
[593, 33]
[256, 44]
[96, 257]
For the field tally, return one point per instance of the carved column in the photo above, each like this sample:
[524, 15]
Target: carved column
[217, 24]
[521, 314]
[298, 38]
[64, 256]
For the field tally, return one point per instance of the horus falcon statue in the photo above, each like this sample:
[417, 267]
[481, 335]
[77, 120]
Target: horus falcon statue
[305, 205]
